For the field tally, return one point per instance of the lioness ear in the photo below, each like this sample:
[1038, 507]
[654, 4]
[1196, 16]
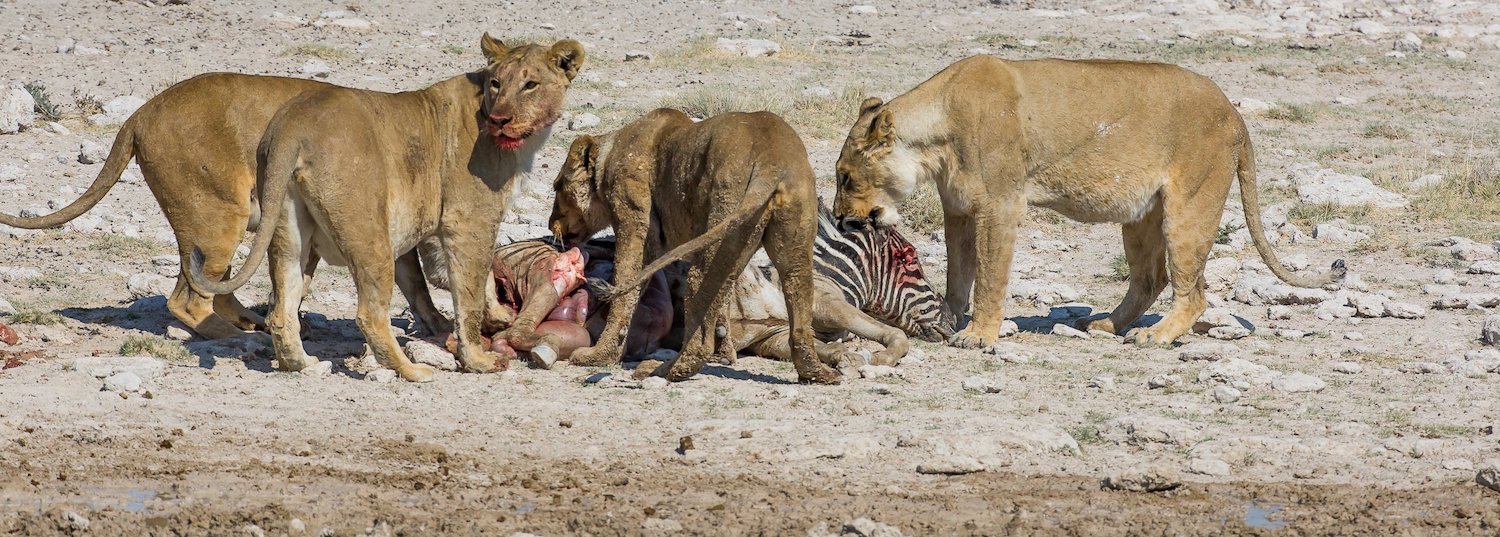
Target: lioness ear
[569, 57]
[584, 153]
[493, 48]
[870, 103]
[882, 131]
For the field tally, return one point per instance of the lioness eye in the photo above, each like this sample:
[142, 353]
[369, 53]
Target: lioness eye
[530, 84]
[494, 83]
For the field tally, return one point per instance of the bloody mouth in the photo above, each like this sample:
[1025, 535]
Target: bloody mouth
[502, 140]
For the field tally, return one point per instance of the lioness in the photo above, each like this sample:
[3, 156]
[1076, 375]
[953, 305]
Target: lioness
[694, 185]
[198, 158]
[363, 176]
[1152, 146]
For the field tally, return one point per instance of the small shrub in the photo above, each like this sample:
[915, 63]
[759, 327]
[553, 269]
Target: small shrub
[922, 212]
[171, 351]
[1387, 131]
[1271, 70]
[453, 49]
[1119, 268]
[87, 104]
[36, 317]
[1295, 113]
[1307, 215]
[1222, 237]
[45, 108]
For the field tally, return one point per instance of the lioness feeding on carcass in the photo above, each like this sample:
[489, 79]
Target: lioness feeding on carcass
[362, 176]
[1152, 146]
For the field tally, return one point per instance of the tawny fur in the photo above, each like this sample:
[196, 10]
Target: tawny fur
[727, 185]
[1152, 146]
[361, 177]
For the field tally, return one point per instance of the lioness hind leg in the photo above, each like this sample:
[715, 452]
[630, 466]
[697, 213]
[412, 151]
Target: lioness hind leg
[1146, 254]
[196, 310]
[290, 247]
[789, 244]
[229, 307]
[374, 279]
[1190, 225]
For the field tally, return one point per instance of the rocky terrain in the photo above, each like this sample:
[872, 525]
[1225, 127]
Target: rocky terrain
[1365, 408]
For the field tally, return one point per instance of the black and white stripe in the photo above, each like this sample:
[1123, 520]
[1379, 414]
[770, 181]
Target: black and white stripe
[879, 272]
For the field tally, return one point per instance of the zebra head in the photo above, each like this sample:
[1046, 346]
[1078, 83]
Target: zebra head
[904, 298]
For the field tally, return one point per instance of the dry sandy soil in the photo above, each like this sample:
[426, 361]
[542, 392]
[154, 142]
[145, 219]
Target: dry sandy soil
[216, 442]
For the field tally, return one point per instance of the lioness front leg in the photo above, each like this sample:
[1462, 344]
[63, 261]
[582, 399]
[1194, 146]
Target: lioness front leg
[630, 238]
[995, 236]
[468, 268]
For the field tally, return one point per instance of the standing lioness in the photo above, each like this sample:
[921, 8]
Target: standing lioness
[363, 176]
[1151, 146]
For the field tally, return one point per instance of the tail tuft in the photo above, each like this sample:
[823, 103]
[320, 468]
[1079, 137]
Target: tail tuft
[601, 289]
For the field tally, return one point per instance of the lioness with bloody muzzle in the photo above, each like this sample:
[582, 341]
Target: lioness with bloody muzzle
[1148, 145]
[360, 177]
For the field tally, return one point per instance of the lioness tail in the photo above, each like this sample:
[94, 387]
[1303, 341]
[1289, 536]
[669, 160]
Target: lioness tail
[1250, 199]
[119, 157]
[277, 176]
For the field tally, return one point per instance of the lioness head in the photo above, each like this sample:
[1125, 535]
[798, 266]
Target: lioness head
[576, 212]
[524, 87]
[873, 172]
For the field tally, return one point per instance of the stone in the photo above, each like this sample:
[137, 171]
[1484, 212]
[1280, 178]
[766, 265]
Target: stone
[1278, 313]
[876, 371]
[1489, 332]
[1220, 275]
[1298, 383]
[6, 308]
[1463, 249]
[1232, 370]
[176, 331]
[750, 48]
[144, 367]
[1228, 333]
[321, 369]
[1248, 106]
[424, 352]
[145, 284]
[583, 121]
[1348, 368]
[1219, 317]
[1226, 394]
[1062, 329]
[382, 375]
[864, 527]
[1163, 381]
[1456, 54]
[8, 335]
[1103, 382]
[1408, 43]
[1488, 266]
[75, 521]
[1404, 310]
[352, 24]
[1208, 466]
[1458, 464]
[296, 526]
[654, 525]
[90, 152]
[1316, 184]
[1147, 480]
[1335, 234]
[1468, 369]
[1489, 476]
[315, 68]
[1425, 181]
[1240, 42]
[654, 383]
[17, 110]
[1009, 352]
[1205, 351]
[977, 384]
[1142, 430]
[1370, 27]
[1444, 276]
[117, 110]
[637, 56]
[1369, 305]
[124, 381]
[1421, 368]
[862, 10]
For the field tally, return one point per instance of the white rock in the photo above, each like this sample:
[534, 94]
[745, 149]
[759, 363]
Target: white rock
[1103, 382]
[1404, 310]
[1232, 370]
[1345, 100]
[1490, 331]
[1421, 368]
[17, 110]
[1444, 276]
[1062, 329]
[1208, 466]
[862, 10]
[352, 24]
[1220, 275]
[977, 384]
[315, 67]
[1316, 184]
[1456, 54]
[90, 152]
[1354, 336]
[1425, 181]
[1206, 351]
[1278, 313]
[382, 375]
[1240, 42]
[1370, 27]
[817, 91]
[16, 274]
[1348, 368]
[1488, 266]
[1228, 333]
[177, 331]
[864, 527]
[1249, 106]
[1163, 381]
[144, 285]
[1409, 43]
[6, 308]
[1226, 394]
[1009, 352]
[1290, 333]
[422, 352]
[752, 48]
[583, 121]
[1298, 383]
[877, 371]
[1332, 233]
[320, 369]
[654, 383]
[1368, 304]
[76, 523]
[637, 56]
[1468, 369]
[1489, 476]
[124, 381]
[117, 110]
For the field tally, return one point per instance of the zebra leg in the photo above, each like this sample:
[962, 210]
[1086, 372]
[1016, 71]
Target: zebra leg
[831, 312]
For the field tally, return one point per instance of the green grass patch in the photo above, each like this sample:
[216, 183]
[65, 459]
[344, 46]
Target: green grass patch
[1307, 215]
[317, 50]
[148, 345]
[1295, 112]
[126, 246]
[36, 317]
[1387, 131]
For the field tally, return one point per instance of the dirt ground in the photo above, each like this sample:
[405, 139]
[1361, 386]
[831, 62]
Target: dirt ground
[217, 442]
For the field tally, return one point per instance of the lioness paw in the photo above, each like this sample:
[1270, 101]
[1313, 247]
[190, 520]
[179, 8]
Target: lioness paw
[418, 373]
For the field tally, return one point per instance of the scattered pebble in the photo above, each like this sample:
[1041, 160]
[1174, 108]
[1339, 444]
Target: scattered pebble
[90, 152]
[1062, 329]
[1348, 368]
[381, 375]
[1208, 466]
[1163, 381]
[124, 381]
[654, 383]
[1226, 394]
[424, 352]
[1490, 331]
[583, 121]
[977, 384]
[1298, 383]
[1103, 382]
